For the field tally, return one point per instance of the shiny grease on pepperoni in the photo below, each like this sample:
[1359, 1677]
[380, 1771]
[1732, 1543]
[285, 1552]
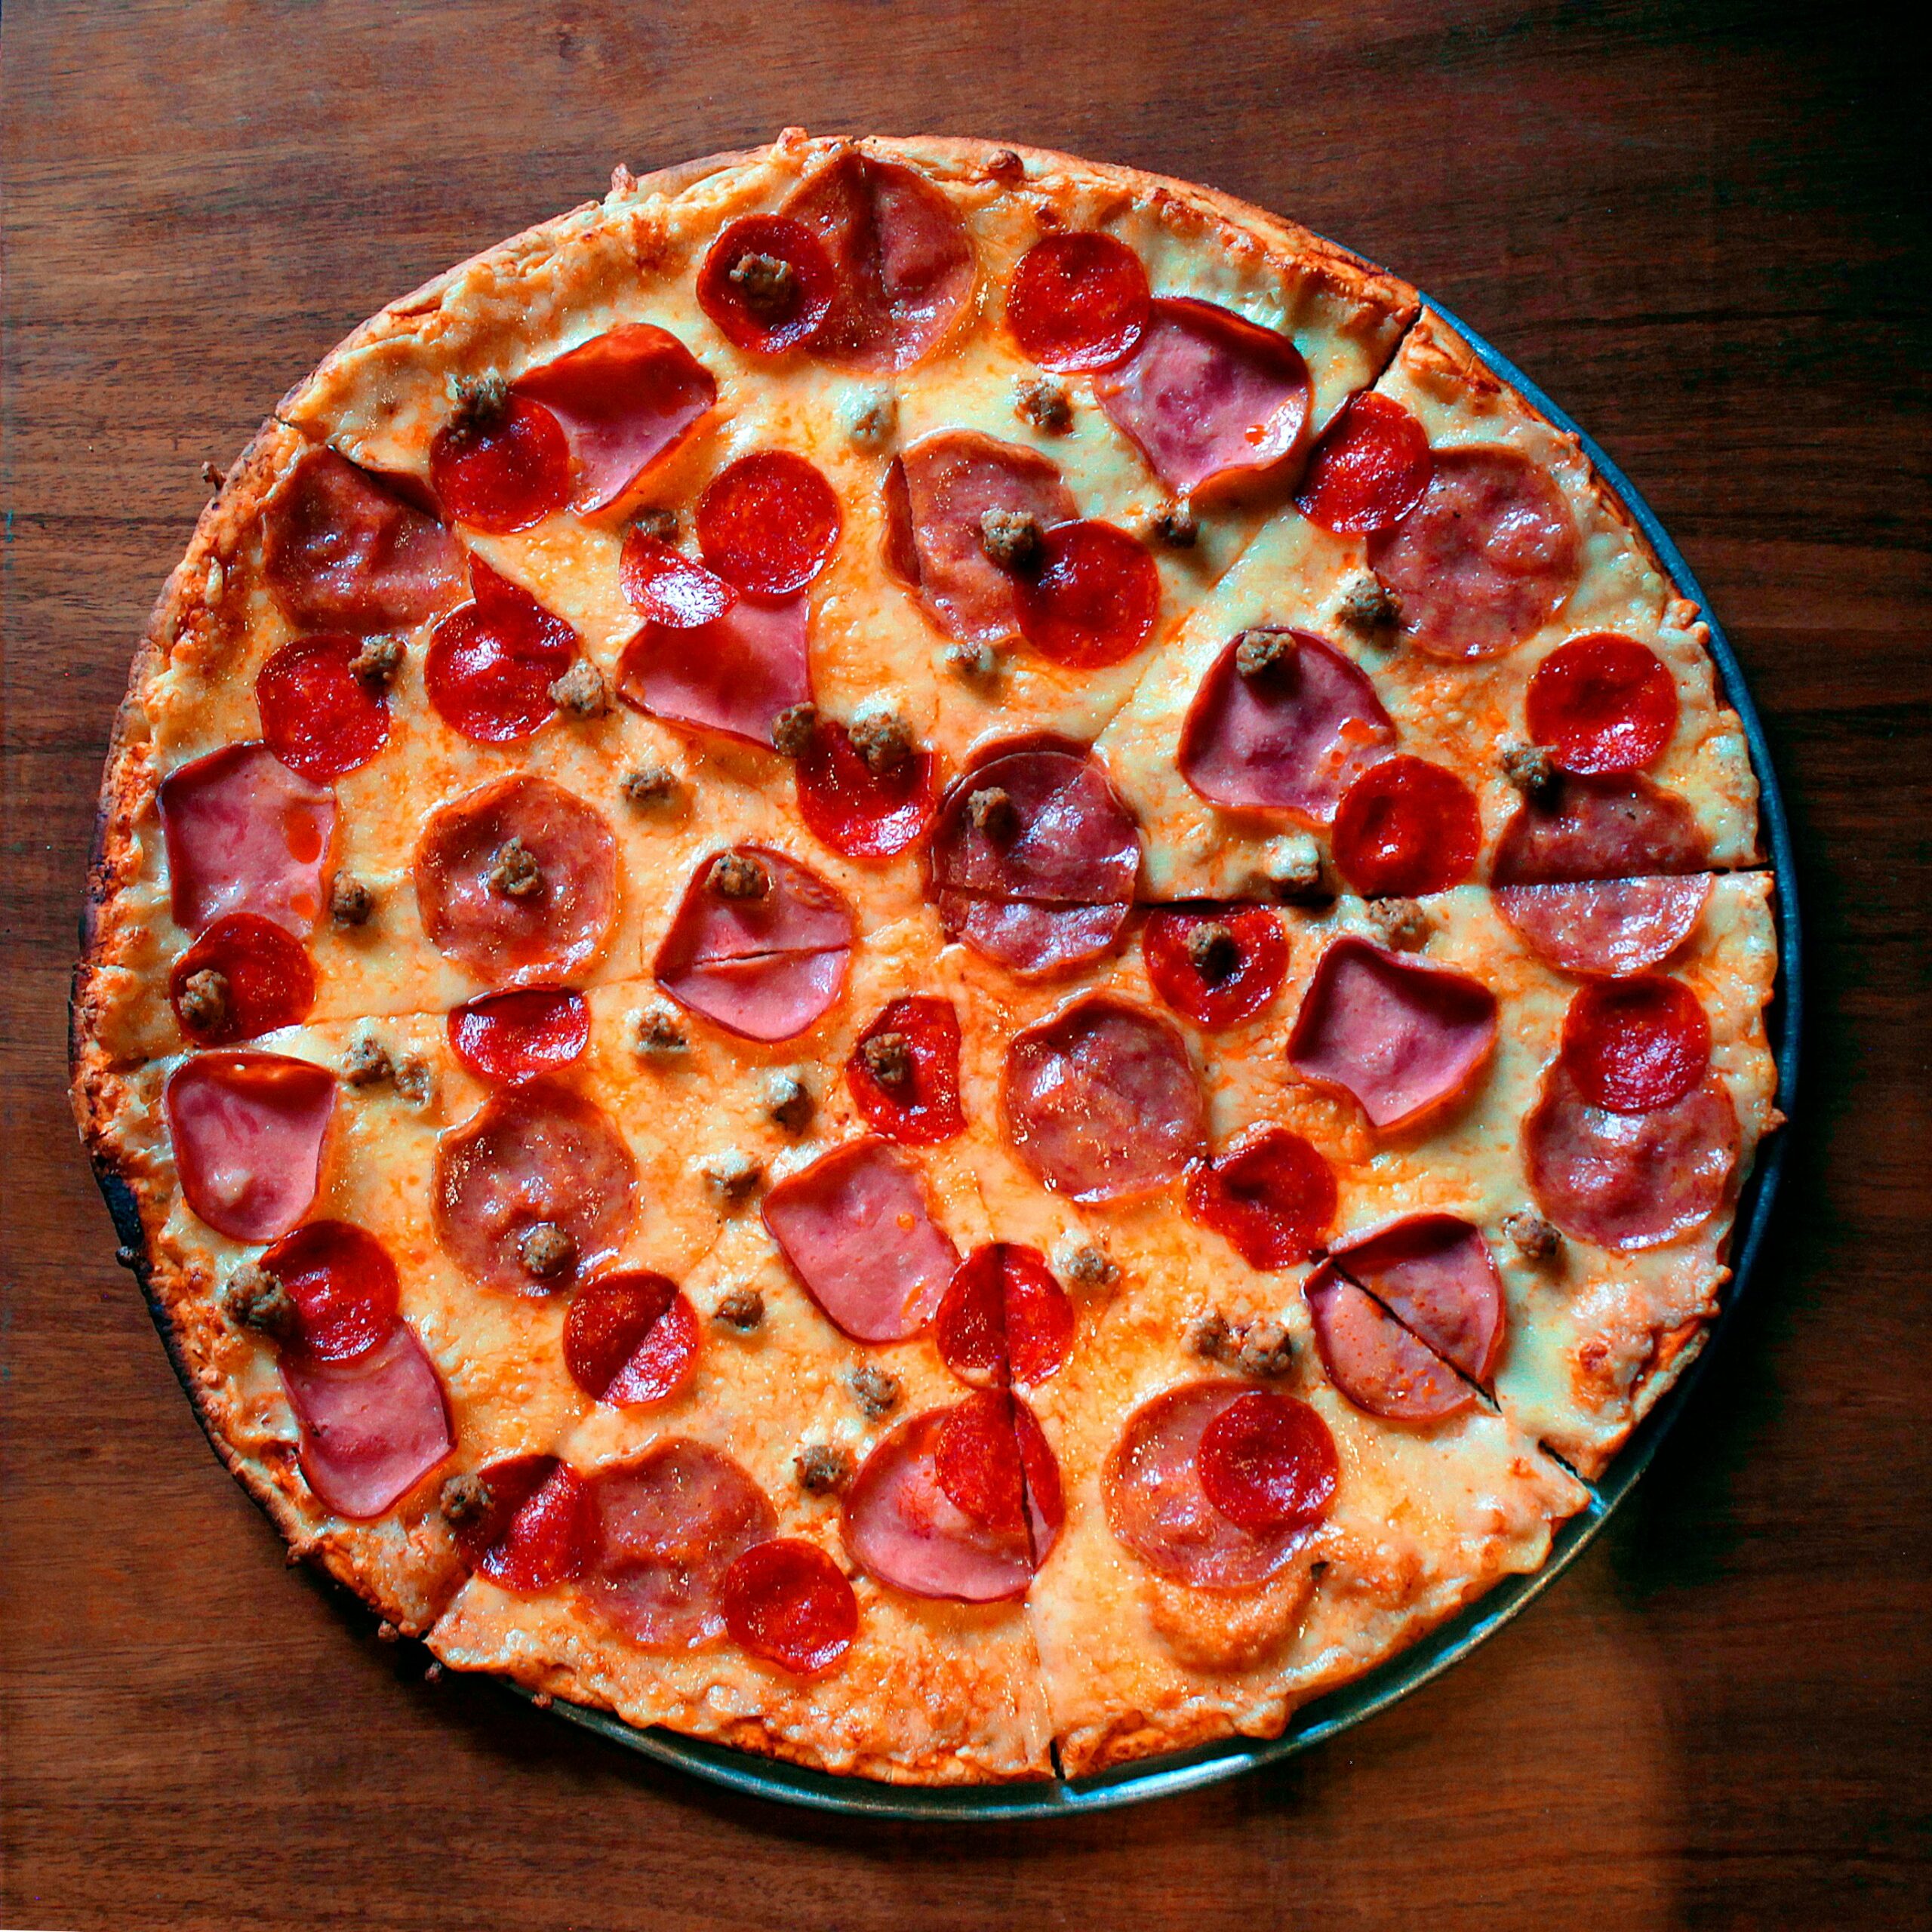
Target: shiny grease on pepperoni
[1613, 926]
[1587, 829]
[1078, 302]
[1406, 828]
[1216, 965]
[1634, 1046]
[1091, 597]
[1370, 469]
[318, 716]
[767, 283]
[630, 1338]
[491, 662]
[769, 523]
[248, 1131]
[1273, 1197]
[786, 1601]
[1602, 703]
[501, 465]
[267, 981]
[508, 1037]
[859, 812]
[992, 1458]
[344, 1284]
[536, 1531]
[372, 1427]
[668, 587]
[245, 833]
[908, 1088]
[1268, 1463]
[1004, 1318]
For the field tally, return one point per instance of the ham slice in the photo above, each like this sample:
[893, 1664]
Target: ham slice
[372, 1427]
[1374, 1360]
[856, 1228]
[248, 1131]
[733, 675]
[1435, 1274]
[1589, 829]
[1614, 927]
[245, 834]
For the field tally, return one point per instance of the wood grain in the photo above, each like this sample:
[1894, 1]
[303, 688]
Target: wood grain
[1702, 225]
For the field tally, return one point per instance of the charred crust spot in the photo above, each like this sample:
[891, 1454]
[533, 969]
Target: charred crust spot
[660, 521]
[883, 739]
[768, 283]
[256, 1299]
[788, 1102]
[378, 662]
[657, 1033]
[213, 474]
[465, 1499]
[415, 1081]
[1368, 604]
[1212, 951]
[888, 1058]
[128, 1257]
[651, 785]
[1012, 538]
[1400, 924]
[514, 871]
[204, 1001]
[823, 1468]
[742, 1309]
[545, 1249]
[580, 690]
[733, 1174]
[977, 662]
[351, 903]
[875, 1390]
[1092, 1268]
[1530, 768]
[792, 729]
[1531, 1236]
[1045, 405]
[481, 404]
[1177, 526]
[1261, 652]
[367, 1063]
[739, 876]
[993, 811]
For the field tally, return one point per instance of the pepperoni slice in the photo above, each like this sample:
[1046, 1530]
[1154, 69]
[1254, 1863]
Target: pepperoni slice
[1376, 1362]
[1268, 1462]
[537, 1155]
[734, 675]
[1206, 397]
[1486, 559]
[1216, 981]
[1634, 1046]
[858, 811]
[491, 663]
[630, 1338]
[318, 717]
[536, 1531]
[1616, 926]
[1407, 827]
[343, 1285]
[1402, 1039]
[769, 523]
[787, 1601]
[1093, 598]
[1602, 703]
[245, 834]
[668, 587]
[908, 1087]
[1589, 829]
[1371, 468]
[1435, 1275]
[857, 1232]
[248, 1130]
[1004, 1318]
[764, 308]
[1078, 302]
[903, 265]
[1102, 1100]
[504, 473]
[625, 400]
[372, 1427]
[341, 552]
[1630, 1181]
[1156, 1505]
[766, 968]
[546, 930]
[669, 1527]
[1273, 1197]
[1044, 881]
[992, 1460]
[949, 482]
[1290, 736]
[506, 1038]
[267, 981]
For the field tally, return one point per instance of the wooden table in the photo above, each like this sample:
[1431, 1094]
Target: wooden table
[1701, 225]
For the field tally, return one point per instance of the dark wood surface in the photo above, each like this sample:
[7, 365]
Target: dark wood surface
[1702, 225]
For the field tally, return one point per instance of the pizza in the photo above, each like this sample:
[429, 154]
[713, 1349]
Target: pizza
[925, 956]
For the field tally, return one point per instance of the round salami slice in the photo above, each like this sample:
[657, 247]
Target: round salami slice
[503, 465]
[1371, 468]
[1602, 703]
[1101, 1100]
[1614, 926]
[786, 1601]
[1486, 559]
[1156, 1505]
[625, 400]
[517, 880]
[1208, 398]
[1004, 1318]
[767, 961]
[904, 268]
[1630, 1181]
[1590, 829]
[769, 523]
[1435, 1275]
[904, 1073]
[1034, 859]
[859, 812]
[1268, 1463]
[1282, 722]
[245, 834]
[1405, 828]
[669, 1527]
[951, 483]
[318, 717]
[735, 674]
[1403, 1039]
[1273, 1197]
[1376, 1362]
[902, 1527]
[1216, 965]
[341, 552]
[262, 980]
[535, 1530]
[856, 1228]
[1634, 1046]
[1090, 597]
[248, 1130]
[1078, 302]
[630, 1338]
[343, 1285]
[767, 283]
[491, 663]
[535, 1192]
[373, 1427]
[668, 587]
[508, 1037]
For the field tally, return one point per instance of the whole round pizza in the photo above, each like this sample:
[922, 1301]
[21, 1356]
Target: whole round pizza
[925, 957]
